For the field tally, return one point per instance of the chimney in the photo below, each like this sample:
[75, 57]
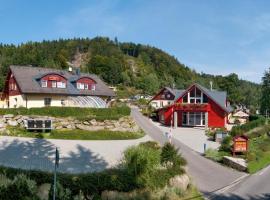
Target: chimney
[78, 72]
[211, 85]
[70, 69]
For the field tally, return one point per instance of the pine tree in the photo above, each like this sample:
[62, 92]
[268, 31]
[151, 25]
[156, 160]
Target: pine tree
[265, 98]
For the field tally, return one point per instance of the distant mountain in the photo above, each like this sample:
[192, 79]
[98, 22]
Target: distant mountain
[128, 64]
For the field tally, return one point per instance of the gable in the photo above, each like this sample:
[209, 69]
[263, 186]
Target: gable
[164, 94]
[216, 96]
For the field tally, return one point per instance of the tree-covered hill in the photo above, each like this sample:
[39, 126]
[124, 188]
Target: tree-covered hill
[128, 64]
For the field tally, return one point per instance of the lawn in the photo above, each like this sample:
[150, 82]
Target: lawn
[259, 153]
[77, 134]
[101, 114]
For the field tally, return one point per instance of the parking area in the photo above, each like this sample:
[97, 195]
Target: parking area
[193, 137]
[76, 156]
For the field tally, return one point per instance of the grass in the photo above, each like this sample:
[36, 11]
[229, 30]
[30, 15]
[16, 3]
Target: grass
[76, 134]
[259, 153]
[113, 113]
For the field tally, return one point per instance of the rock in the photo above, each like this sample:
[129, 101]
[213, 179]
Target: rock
[109, 127]
[8, 116]
[58, 127]
[43, 191]
[12, 123]
[236, 163]
[70, 126]
[17, 117]
[20, 120]
[89, 128]
[93, 122]
[181, 182]
[2, 125]
[125, 125]
[86, 123]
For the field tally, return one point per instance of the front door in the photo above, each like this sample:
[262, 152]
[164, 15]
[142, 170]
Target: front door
[193, 118]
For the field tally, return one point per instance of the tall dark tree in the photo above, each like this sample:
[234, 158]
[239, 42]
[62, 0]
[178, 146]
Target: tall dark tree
[265, 99]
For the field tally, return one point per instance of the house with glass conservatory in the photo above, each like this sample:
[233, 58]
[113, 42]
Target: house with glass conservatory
[195, 106]
[33, 87]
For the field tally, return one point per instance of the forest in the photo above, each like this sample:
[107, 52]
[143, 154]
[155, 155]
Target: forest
[125, 65]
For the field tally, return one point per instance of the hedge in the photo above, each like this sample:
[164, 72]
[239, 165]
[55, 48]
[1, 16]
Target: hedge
[242, 129]
[113, 113]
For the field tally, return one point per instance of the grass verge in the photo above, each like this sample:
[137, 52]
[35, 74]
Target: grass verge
[76, 134]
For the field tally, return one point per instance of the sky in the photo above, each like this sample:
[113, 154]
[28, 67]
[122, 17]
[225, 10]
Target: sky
[210, 36]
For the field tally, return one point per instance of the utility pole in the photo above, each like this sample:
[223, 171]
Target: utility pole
[56, 165]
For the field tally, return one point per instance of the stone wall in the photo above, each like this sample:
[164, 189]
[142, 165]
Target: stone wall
[123, 124]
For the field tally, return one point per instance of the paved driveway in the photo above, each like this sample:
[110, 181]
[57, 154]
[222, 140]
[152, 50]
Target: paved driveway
[194, 138]
[75, 156]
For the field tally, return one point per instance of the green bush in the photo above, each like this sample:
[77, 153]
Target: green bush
[169, 154]
[150, 144]
[141, 162]
[113, 113]
[215, 154]
[226, 144]
[242, 129]
[61, 193]
[20, 188]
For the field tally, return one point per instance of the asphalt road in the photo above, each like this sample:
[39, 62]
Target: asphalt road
[208, 176]
[254, 187]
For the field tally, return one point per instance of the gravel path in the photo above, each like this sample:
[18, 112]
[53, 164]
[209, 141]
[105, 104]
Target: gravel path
[76, 156]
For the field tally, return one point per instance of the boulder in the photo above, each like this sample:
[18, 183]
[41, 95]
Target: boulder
[17, 117]
[8, 116]
[2, 125]
[236, 163]
[181, 182]
[89, 128]
[86, 123]
[12, 123]
[93, 122]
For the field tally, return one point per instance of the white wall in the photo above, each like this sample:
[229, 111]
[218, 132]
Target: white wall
[160, 103]
[37, 101]
[17, 101]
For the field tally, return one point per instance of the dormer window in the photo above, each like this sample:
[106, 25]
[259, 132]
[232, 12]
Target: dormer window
[43, 83]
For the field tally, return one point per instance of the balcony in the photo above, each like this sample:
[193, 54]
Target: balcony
[202, 107]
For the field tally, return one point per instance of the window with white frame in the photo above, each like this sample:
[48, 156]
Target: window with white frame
[53, 84]
[93, 87]
[194, 96]
[80, 86]
[61, 84]
[43, 83]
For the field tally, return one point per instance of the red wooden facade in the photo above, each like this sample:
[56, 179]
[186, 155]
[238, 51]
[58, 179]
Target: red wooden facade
[87, 81]
[194, 111]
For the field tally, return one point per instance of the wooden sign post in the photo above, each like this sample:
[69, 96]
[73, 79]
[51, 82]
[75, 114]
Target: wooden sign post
[240, 144]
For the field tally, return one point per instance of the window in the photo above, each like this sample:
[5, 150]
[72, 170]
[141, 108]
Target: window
[63, 103]
[185, 99]
[80, 86]
[61, 84]
[47, 101]
[93, 87]
[195, 96]
[86, 86]
[53, 84]
[44, 83]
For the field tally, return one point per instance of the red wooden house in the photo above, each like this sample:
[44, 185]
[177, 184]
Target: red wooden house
[196, 106]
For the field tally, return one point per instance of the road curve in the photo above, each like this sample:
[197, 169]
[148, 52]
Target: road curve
[207, 175]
